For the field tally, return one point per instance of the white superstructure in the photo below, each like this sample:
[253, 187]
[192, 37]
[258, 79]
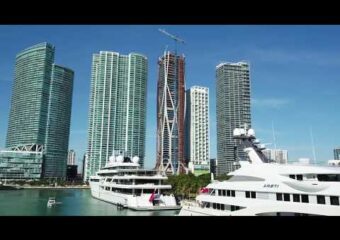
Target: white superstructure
[261, 187]
[122, 182]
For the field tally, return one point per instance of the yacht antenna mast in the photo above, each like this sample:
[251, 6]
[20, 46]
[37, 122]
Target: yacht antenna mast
[274, 139]
[313, 146]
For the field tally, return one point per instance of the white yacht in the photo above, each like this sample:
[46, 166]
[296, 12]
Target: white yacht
[263, 188]
[124, 183]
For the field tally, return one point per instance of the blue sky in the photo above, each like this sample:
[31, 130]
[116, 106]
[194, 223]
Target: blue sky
[295, 75]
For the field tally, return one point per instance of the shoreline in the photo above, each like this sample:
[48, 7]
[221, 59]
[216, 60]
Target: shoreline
[57, 187]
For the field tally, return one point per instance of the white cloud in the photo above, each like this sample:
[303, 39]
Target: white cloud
[275, 103]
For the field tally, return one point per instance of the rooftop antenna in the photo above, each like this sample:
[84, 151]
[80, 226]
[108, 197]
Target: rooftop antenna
[175, 38]
[313, 146]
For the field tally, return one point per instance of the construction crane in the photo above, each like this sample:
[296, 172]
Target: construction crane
[175, 38]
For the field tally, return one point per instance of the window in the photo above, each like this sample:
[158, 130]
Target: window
[299, 177]
[279, 196]
[304, 198]
[233, 193]
[228, 193]
[321, 199]
[219, 192]
[224, 192]
[296, 198]
[286, 197]
[107, 188]
[222, 206]
[214, 205]
[247, 194]
[334, 200]
[292, 176]
[253, 194]
[329, 177]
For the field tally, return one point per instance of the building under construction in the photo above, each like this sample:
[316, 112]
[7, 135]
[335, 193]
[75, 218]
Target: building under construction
[170, 113]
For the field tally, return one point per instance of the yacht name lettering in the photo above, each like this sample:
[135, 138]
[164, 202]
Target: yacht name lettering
[271, 185]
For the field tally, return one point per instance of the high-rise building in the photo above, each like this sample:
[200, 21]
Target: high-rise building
[197, 151]
[337, 153]
[58, 122]
[277, 155]
[232, 111]
[170, 113]
[41, 107]
[117, 114]
[213, 165]
[71, 157]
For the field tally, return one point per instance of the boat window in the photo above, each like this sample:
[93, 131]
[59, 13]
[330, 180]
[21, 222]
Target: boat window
[304, 198]
[228, 193]
[329, 177]
[214, 205]
[233, 193]
[224, 192]
[208, 205]
[232, 208]
[222, 206]
[279, 196]
[247, 194]
[253, 194]
[334, 200]
[108, 179]
[219, 192]
[292, 176]
[218, 206]
[321, 199]
[94, 180]
[286, 197]
[299, 177]
[296, 198]
[107, 188]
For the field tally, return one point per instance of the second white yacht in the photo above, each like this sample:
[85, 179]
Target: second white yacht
[124, 183]
[263, 188]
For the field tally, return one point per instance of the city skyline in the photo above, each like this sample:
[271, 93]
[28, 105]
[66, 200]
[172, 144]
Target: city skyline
[294, 75]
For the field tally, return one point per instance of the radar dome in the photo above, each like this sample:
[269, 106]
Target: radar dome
[242, 131]
[237, 132]
[112, 159]
[120, 159]
[251, 132]
[135, 159]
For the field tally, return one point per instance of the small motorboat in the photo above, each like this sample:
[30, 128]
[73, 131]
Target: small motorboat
[51, 202]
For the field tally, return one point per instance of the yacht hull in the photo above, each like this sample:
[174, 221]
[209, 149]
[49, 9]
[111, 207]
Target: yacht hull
[138, 203]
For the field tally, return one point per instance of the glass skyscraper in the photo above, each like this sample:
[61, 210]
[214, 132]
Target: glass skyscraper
[58, 122]
[41, 107]
[232, 111]
[117, 114]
